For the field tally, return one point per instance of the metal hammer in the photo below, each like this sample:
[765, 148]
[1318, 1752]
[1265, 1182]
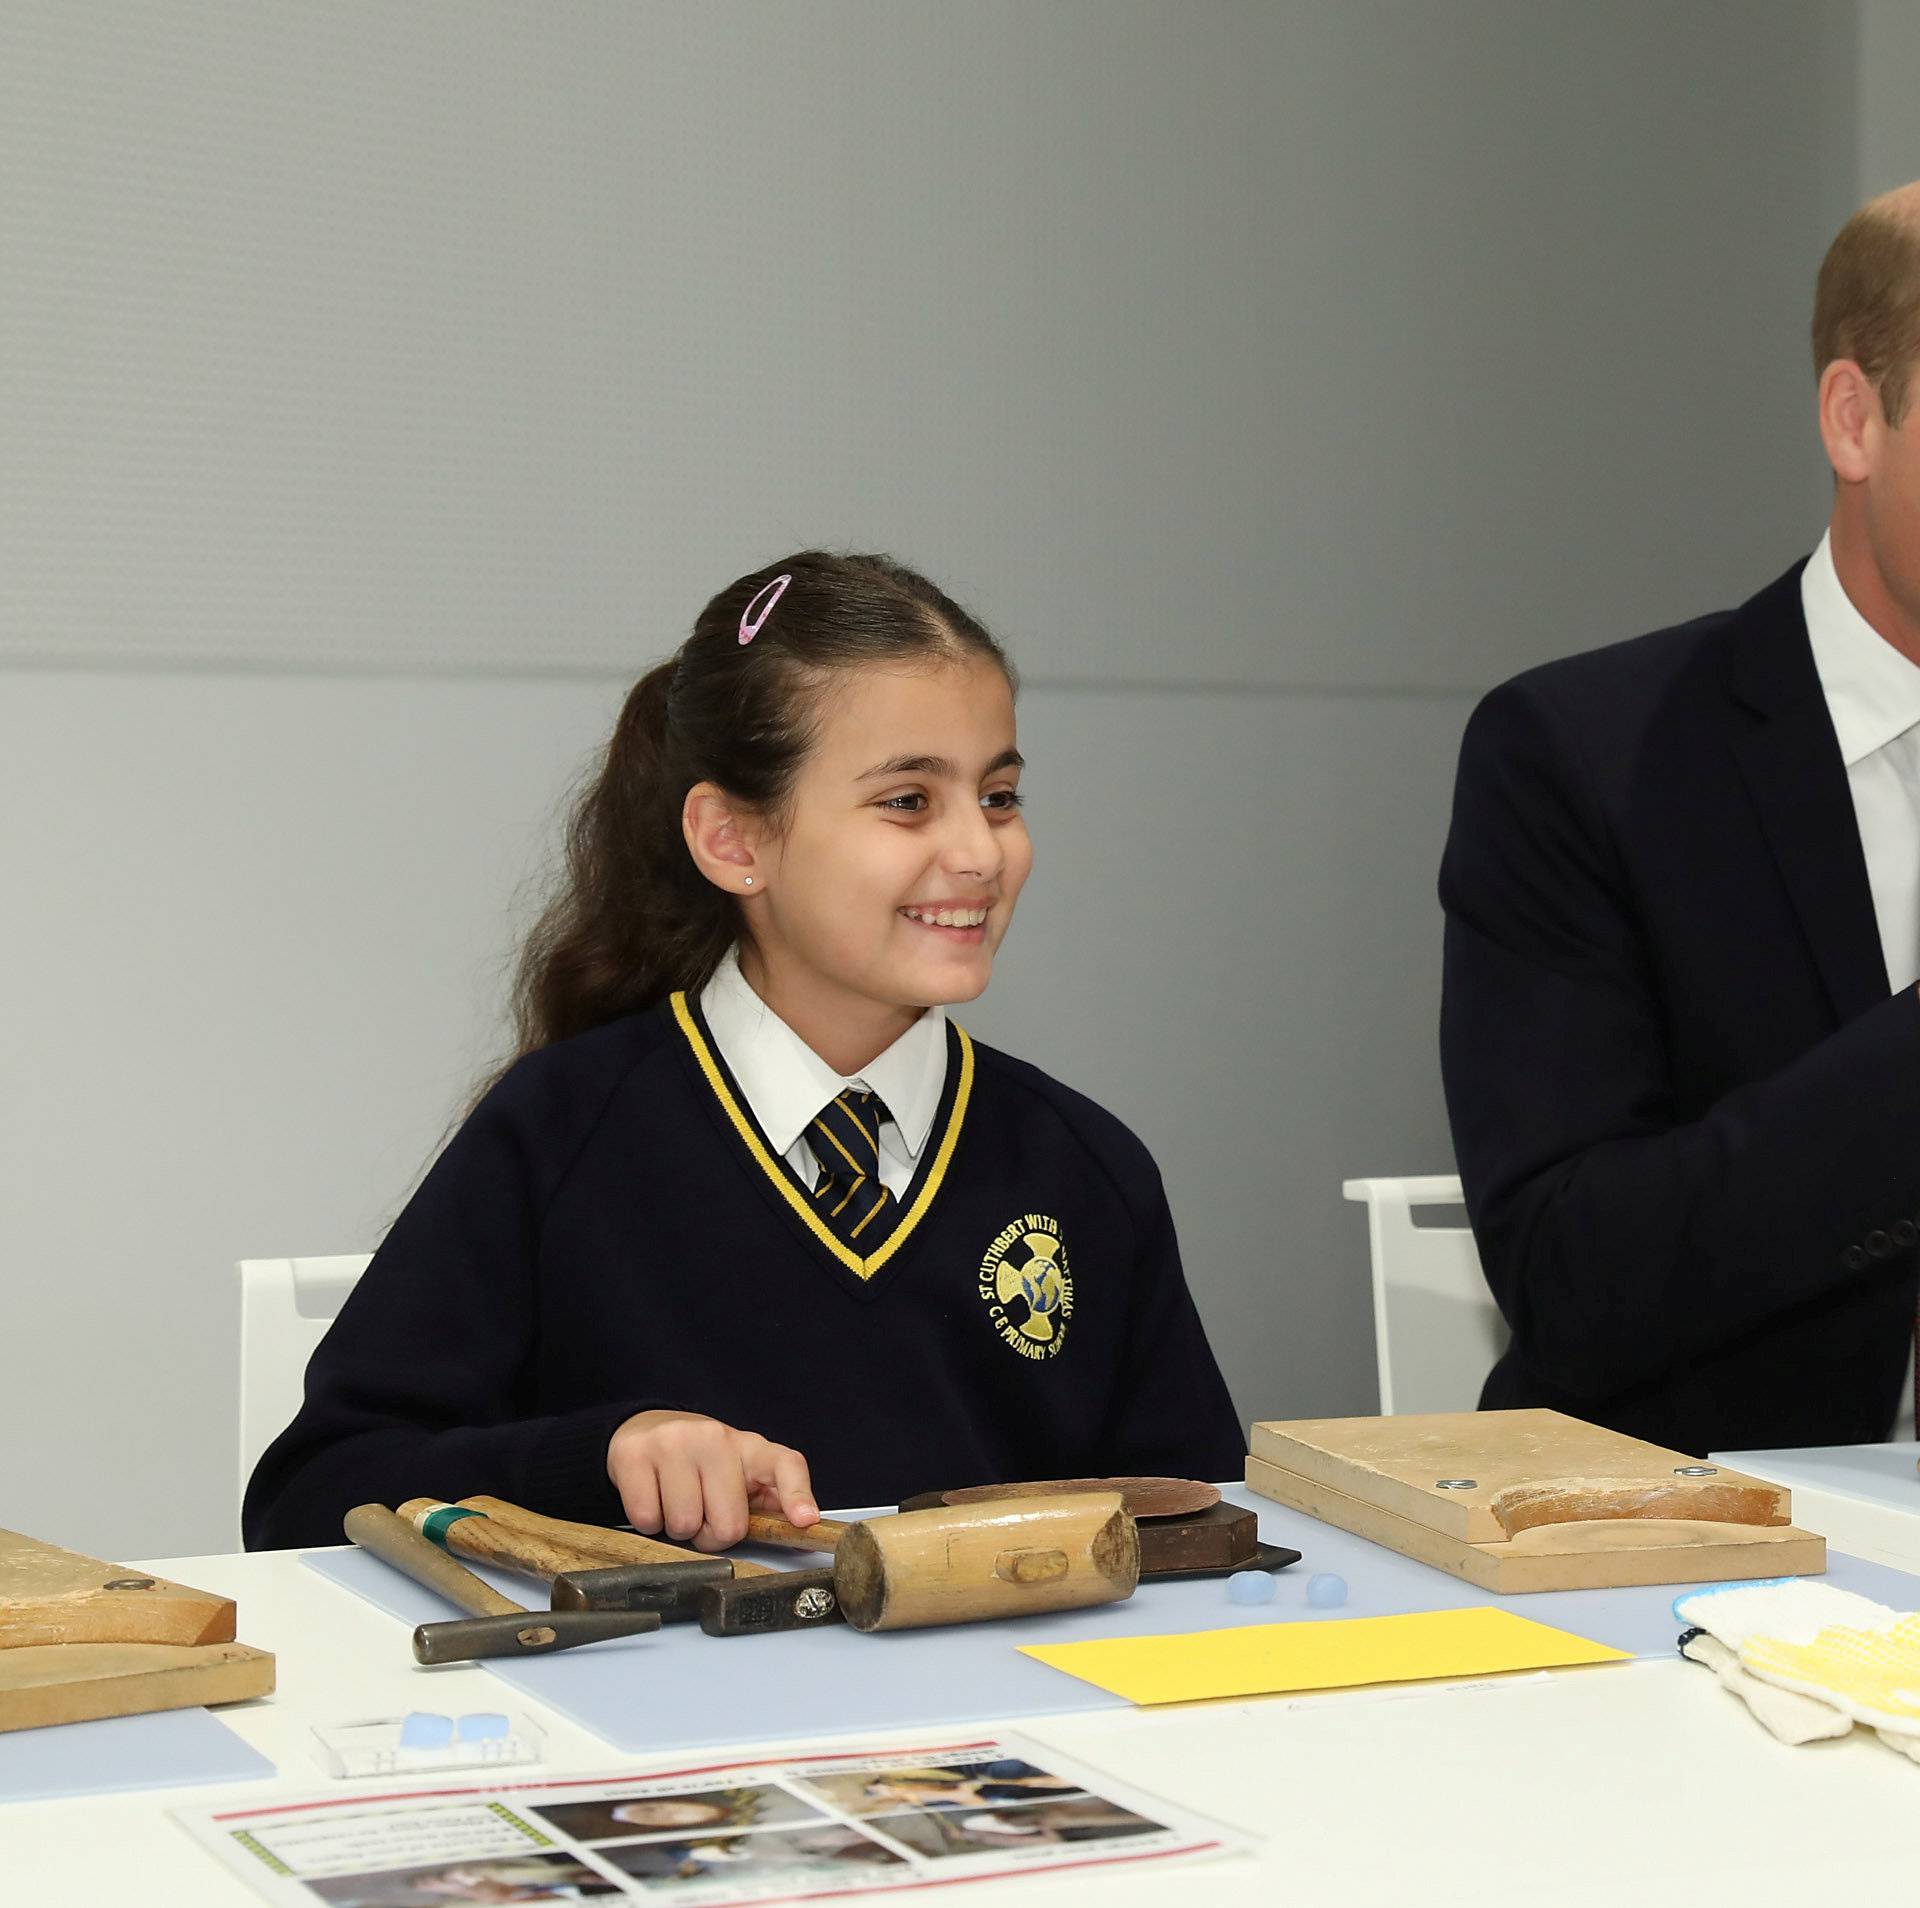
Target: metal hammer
[497, 1626]
[590, 1568]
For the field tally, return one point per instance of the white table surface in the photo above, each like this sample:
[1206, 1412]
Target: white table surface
[1863, 1498]
[1640, 1782]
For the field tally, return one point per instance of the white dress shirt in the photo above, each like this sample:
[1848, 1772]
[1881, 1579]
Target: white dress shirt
[786, 1083]
[1873, 696]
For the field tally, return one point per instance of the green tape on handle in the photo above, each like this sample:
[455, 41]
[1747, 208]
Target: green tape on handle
[434, 1524]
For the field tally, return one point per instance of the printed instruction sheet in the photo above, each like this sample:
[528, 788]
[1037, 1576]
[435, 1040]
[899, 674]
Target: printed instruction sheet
[782, 1828]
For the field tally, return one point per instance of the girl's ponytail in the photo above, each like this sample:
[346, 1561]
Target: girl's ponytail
[634, 918]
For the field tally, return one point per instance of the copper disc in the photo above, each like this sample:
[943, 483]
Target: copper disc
[1143, 1496]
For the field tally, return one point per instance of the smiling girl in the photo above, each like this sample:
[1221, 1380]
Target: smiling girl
[751, 1222]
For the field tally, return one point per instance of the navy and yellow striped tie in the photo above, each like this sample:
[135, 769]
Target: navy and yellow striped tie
[845, 1138]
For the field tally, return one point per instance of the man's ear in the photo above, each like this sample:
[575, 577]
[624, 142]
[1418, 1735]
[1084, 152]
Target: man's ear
[722, 840]
[1850, 420]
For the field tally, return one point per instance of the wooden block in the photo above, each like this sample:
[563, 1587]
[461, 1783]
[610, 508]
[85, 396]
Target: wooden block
[49, 1595]
[80, 1682]
[1605, 1554]
[1486, 1476]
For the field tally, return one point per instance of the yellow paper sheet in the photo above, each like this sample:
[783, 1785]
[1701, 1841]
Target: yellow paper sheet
[1262, 1659]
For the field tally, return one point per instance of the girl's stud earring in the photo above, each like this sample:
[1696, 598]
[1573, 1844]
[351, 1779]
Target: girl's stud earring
[749, 881]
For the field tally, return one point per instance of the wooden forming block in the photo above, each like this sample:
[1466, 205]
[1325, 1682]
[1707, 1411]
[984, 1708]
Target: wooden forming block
[1532, 1500]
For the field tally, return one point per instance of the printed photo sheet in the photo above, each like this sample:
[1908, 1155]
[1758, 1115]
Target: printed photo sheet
[778, 1829]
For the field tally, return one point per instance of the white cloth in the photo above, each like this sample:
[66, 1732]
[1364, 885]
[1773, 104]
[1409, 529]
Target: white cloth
[786, 1083]
[1873, 697]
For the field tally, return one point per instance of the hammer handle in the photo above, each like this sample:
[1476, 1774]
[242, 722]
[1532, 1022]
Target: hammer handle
[393, 1540]
[825, 1535]
[603, 1545]
[475, 1535]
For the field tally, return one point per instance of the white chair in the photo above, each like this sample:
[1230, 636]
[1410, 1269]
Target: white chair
[1436, 1329]
[286, 1306]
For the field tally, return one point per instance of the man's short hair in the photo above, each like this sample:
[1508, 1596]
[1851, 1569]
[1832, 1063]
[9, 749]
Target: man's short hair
[1867, 304]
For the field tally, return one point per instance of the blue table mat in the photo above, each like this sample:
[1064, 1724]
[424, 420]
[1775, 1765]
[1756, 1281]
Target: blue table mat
[167, 1750]
[678, 1688]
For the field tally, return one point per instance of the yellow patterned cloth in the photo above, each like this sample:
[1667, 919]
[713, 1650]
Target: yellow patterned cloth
[1860, 1656]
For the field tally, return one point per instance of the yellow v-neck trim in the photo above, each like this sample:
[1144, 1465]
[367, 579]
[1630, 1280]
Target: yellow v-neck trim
[783, 1181]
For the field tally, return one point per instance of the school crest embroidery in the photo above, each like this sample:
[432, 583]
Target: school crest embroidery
[1026, 1286]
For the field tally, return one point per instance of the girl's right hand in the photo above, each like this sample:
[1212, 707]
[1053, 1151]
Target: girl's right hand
[695, 1479]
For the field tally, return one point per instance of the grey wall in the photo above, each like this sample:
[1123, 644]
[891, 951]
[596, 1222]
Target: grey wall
[1889, 36]
[381, 387]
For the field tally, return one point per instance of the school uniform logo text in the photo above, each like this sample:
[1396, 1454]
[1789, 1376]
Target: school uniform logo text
[1026, 1287]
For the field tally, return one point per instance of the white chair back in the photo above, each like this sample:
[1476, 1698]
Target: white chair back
[286, 1306]
[1436, 1329]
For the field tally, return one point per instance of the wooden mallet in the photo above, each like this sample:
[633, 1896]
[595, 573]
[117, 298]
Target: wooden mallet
[1185, 1530]
[974, 1562]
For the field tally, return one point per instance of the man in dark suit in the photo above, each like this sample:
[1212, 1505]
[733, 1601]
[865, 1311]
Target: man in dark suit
[1680, 1033]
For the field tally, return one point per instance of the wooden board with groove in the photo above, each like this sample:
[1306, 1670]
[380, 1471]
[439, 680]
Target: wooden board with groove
[1515, 1501]
[81, 1639]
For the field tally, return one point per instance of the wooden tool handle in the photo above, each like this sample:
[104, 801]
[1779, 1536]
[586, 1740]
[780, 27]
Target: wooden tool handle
[776, 1531]
[473, 1534]
[393, 1540]
[606, 1546]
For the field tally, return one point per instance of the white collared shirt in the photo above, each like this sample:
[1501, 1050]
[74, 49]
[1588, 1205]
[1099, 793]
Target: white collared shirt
[1873, 697]
[786, 1083]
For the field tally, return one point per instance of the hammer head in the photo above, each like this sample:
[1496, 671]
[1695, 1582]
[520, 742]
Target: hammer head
[671, 1589]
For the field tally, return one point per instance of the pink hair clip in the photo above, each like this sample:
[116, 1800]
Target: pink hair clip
[750, 624]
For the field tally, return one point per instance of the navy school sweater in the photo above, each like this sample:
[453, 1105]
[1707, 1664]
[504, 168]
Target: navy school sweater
[610, 1232]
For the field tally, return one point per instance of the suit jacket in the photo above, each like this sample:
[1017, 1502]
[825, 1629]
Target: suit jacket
[1685, 1103]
